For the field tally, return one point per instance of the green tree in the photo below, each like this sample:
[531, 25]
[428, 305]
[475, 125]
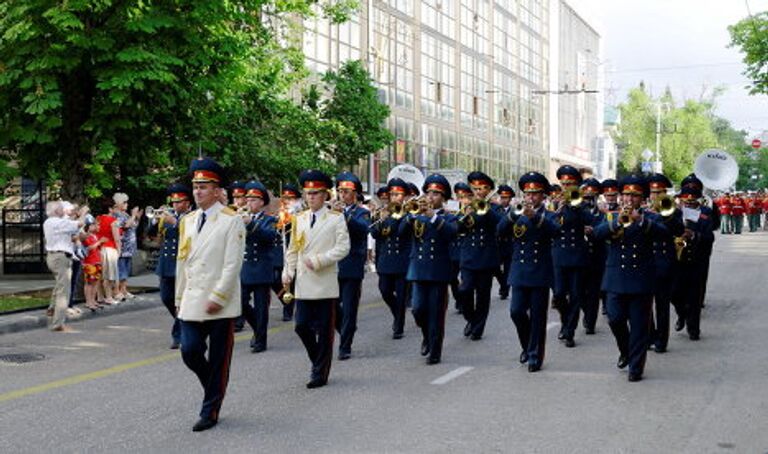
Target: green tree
[101, 93]
[750, 35]
[686, 132]
[354, 103]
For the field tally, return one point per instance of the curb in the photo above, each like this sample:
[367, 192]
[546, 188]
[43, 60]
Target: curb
[24, 322]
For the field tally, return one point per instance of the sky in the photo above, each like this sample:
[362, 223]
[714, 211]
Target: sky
[677, 43]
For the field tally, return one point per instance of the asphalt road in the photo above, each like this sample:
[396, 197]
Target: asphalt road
[113, 386]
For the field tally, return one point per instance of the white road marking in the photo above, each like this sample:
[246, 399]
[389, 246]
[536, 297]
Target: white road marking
[459, 371]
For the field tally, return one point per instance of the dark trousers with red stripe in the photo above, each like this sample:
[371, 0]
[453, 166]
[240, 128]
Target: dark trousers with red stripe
[629, 316]
[217, 337]
[315, 320]
[430, 301]
[346, 309]
[528, 310]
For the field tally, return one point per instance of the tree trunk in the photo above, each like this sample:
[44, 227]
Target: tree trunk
[78, 90]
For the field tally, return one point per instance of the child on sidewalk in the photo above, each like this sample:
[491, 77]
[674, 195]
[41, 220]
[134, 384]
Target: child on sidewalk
[92, 264]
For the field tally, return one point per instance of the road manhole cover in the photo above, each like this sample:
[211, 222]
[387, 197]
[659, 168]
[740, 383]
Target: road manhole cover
[21, 358]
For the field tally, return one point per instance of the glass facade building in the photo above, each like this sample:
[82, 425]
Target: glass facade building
[459, 77]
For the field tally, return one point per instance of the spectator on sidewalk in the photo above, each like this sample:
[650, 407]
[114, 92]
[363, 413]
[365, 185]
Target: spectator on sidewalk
[58, 231]
[70, 212]
[92, 263]
[128, 223]
[109, 229]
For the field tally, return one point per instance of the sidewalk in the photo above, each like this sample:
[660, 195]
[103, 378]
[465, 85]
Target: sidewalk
[24, 321]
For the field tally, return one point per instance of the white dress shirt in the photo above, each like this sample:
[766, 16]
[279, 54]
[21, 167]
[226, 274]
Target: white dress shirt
[58, 234]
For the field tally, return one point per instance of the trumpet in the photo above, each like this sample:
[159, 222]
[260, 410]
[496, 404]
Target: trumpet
[519, 209]
[413, 206]
[151, 212]
[664, 205]
[395, 209]
[625, 216]
[572, 197]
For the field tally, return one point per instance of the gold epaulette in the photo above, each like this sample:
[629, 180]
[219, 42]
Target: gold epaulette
[228, 211]
[335, 213]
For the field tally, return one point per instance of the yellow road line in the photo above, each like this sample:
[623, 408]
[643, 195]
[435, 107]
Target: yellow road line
[75, 379]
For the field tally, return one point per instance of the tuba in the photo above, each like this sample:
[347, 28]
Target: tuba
[716, 169]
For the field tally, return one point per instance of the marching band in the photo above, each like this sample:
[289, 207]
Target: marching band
[626, 243]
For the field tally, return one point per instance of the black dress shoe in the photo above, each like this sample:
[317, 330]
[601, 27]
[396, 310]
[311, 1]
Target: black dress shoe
[424, 348]
[398, 335]
[589, 330]
[679, 324]
[203, 424]
[694, 336]
[523, 357]
[561, 335]
[258, 348]
[467, 329]
[317, 383]
[659, 349]
[476, 337]
[343, 356]
[570, 343]
[175, 345]
[634, 377]
[534, 367]
[431, 360]
[622, 362]
[287, 318]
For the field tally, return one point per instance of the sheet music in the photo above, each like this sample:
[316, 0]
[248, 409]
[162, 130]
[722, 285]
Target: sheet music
[691, 214]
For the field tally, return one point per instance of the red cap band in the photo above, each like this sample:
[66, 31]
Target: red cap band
[633, 189]
[398, 190]
[479, 184]
[346, 185]
[255, 193]
[205, 176]
[315, 185]
[658, 186]
[238, 192]
[533, 186]
[179, 197]
[436, 187]
[568, 179]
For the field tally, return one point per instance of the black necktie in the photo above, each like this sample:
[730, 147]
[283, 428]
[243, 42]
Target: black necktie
[312, 223]
[202, 223]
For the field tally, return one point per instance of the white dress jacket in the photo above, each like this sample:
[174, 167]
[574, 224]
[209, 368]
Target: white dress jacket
[324, 245]
[208, 264]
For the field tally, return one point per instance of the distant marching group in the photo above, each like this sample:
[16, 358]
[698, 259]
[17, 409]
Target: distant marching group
[734, 207]
[626, 243]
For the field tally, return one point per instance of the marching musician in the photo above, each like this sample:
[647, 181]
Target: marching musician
[258, 269]
[479, 256]
[392, 263]
[694, 261]
[290, 198]
[610, 191]
[431, 232]
[713, 215]
[210, 254]
[569, 252]
[382, 194]
[723, 204]
[319, 241]
[352, 267]
[531, 276]
[753, 212]
[166, 225]
[629, 273]
[506, 193]
[464, 195]
[237, 188]
[554, 198]
[665, 260]
[596, 254]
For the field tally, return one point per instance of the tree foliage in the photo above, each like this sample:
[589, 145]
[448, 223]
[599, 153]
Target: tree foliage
[686, 132]
[750, 35]
[354, 103]
[101, 94]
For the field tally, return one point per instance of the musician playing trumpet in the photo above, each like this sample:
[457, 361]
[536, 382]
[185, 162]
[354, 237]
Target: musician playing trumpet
[596, 254]
[430, 231]
[629, 273]
[479, 255]
[257, 272]
[531, 228]
[392, 262]
[665, 259]
[352, 267]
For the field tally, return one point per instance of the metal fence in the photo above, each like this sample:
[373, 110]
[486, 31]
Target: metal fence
[22, 232]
